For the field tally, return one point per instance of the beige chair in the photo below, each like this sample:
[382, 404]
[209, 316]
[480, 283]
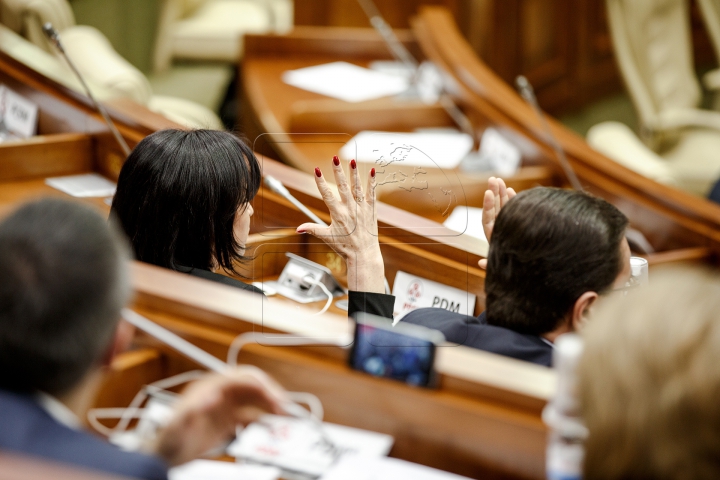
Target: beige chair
[213, 29]
[98, 61]
[653, 48]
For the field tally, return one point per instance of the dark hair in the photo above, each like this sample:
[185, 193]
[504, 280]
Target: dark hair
[548, 247]
[178, 194]
[63, 282]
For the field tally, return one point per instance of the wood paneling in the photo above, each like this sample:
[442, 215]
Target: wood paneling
[349, 13]
[562, 46]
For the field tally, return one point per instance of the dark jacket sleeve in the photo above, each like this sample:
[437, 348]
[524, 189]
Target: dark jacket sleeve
[374, 303]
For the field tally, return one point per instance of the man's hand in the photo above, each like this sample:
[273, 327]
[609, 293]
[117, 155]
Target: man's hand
[210, 409]
[353, 230]
[496, 196]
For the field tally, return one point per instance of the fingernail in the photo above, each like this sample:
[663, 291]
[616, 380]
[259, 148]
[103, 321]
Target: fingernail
[372, 173]
[318, 173]
[300, 231]
[336, 160]
[353, 165]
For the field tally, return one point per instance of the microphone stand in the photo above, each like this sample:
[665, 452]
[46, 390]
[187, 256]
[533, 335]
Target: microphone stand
[404, 56]
[54, 37]
[527, 92]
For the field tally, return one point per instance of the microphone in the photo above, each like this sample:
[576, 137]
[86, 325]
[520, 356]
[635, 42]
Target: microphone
[635, 237]
[403, 55]
[276, 186]
[526, 91]
[386, 32]
[54, 37]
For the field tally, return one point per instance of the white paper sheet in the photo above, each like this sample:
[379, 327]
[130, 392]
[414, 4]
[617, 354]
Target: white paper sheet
[346, 81]
[467, 220]
[86, 185]
[359, 467]
[295, 445]
[432, 149]
[213, 470]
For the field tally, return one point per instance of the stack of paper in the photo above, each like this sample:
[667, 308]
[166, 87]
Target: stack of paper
[212, 470]
[346, 81]
[297, 445]
[467, 220]
[359, 467]
[87, 185]
[432, 149]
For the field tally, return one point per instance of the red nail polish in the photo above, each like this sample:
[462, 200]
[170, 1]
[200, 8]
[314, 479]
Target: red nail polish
[353, 165]
[372, 173]
[336, 160]
[318, 173]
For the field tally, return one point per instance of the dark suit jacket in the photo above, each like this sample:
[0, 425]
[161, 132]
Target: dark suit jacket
[461, 329]
[25, 427]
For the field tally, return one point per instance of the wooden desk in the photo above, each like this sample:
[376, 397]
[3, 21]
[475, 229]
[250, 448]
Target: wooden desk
[484, 420]
[293, 125]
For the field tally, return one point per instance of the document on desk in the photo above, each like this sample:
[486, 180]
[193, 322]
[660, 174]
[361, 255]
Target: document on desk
[359, 467]
[437, 148]
[467, 220]
[86, 185]
[214, 470]
[346, 81]
[296, 445]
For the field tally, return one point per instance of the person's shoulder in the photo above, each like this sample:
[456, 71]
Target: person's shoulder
[216, 277]
[477, 333]
[28, 429]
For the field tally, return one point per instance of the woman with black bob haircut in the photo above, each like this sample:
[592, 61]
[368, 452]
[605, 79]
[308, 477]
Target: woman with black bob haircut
[183, 199]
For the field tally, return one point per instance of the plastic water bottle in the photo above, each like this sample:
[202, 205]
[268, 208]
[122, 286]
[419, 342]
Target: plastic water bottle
[566, 439]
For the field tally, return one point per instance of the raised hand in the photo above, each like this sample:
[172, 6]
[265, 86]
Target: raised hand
[496, 196]
[353, 230]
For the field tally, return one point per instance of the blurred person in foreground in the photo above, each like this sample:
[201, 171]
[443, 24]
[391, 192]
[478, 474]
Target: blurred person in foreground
[64, 278]
[649, 381]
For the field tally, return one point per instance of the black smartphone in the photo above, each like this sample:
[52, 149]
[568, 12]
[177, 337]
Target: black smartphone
[402, 352]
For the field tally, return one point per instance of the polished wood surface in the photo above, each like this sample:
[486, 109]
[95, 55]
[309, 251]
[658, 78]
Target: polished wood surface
[483, 421]
[562, 46]
[668, 217]
[676, 224]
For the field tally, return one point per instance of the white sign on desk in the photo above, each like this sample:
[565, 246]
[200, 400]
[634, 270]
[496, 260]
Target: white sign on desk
[19, 115]
[412, 292]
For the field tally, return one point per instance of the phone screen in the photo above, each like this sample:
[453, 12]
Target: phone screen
[387, 353]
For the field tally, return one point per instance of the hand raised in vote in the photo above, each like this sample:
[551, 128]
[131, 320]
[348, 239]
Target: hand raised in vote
[210, 409]
[496, 196]
[353, 230]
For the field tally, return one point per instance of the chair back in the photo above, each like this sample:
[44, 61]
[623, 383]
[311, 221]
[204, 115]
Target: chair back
[653, 47]
[27, 17]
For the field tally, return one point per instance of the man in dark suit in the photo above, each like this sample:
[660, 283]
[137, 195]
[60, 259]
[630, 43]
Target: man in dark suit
[63, 282]
[552, 253]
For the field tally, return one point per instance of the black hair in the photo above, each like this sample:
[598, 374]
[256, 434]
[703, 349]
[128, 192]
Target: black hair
[178, 194]
[548, 247]
[63, 283]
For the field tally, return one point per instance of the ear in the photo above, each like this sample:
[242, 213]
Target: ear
[124, 333]
[581, 309]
